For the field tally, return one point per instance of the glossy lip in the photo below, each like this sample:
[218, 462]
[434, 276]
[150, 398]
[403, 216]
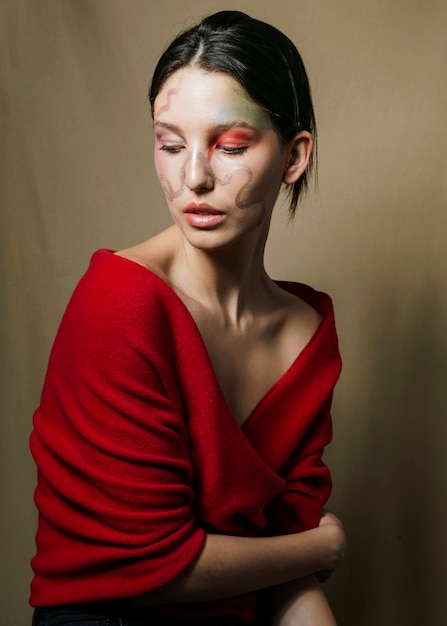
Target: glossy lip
[201, 208]
[203, 215]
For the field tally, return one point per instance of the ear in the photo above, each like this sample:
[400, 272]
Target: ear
[300, 149]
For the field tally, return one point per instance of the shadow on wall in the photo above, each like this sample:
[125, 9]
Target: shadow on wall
[392, 501]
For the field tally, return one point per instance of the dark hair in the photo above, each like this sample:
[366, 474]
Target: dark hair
[261, 58]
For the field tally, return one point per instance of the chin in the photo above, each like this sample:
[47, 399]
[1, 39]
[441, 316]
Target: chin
[217, 240]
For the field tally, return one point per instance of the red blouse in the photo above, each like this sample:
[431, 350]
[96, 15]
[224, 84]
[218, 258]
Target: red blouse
[139, 455]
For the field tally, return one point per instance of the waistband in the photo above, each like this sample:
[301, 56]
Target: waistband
[126, 609]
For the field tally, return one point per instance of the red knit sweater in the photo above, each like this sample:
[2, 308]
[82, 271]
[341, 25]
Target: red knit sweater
[138, 453]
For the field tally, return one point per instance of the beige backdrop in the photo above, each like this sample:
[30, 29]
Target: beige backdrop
[76, 175]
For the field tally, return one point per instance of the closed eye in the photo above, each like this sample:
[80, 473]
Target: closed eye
[172, 149]
[228, 150]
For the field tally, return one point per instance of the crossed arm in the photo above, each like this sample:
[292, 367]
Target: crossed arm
[283, 565]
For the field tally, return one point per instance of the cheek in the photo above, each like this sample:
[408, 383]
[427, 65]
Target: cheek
[167, 168]
[171, 173]
[269, 173]
[264, 186]
[159, 160]
[159, 163]
[232, 171]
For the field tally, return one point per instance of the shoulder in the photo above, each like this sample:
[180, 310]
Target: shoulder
[113, 279]
[315, 314]
[155, 254]
[320, 301]
[122, 313]
[118, 295]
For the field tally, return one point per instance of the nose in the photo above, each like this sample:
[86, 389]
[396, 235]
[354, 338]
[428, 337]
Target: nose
[199, 175]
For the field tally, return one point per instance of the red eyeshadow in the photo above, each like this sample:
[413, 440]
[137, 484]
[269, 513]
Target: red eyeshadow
[233, 136]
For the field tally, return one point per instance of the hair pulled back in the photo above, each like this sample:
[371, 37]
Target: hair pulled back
[261, 58]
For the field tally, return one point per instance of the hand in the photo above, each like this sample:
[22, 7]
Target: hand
[337, 539]
[327, 518]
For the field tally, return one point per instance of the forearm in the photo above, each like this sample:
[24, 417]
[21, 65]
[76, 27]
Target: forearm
[299, 603]
[230, 566]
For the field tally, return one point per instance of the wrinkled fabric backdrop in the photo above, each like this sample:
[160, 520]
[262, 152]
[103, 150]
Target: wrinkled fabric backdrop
[76, 175]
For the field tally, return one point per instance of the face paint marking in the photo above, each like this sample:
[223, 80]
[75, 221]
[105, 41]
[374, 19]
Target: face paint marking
[238, 201]
[171, 92]
[169, 96]
[231, 140]
[172, 194]
[169, 191]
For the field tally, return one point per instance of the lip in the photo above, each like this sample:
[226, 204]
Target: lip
[203, 215]
[201, 207]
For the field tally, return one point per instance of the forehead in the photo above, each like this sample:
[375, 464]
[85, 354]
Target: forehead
[192, 93]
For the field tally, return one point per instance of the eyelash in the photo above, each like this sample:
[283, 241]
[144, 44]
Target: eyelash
[171, 149]
[226, 150]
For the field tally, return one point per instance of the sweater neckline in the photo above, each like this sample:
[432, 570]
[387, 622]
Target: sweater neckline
[291, 287]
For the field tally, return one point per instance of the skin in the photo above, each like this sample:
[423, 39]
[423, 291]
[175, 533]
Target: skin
[229, 145]
[228, 155]
[217, 151]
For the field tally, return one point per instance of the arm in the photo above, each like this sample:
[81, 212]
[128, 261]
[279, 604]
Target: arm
[230, 566]
[301, 603]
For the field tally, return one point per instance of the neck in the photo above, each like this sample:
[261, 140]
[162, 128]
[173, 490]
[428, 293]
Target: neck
[232, 280]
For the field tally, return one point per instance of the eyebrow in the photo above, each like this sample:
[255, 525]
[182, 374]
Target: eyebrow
[219, 128]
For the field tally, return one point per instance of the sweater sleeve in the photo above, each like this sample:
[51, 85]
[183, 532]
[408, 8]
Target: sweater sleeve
[110, 443]
[308, 481]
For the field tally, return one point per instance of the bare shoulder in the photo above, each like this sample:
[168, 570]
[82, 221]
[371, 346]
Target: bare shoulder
[295, 304]
[155, 253]
[301, 319]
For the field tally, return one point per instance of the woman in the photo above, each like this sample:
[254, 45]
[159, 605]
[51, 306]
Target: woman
[186, 404]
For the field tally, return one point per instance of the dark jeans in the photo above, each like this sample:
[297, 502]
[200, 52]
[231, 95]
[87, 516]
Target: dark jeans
[117, 614]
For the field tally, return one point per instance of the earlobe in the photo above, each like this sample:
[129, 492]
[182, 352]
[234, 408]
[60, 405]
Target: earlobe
[300, 150]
